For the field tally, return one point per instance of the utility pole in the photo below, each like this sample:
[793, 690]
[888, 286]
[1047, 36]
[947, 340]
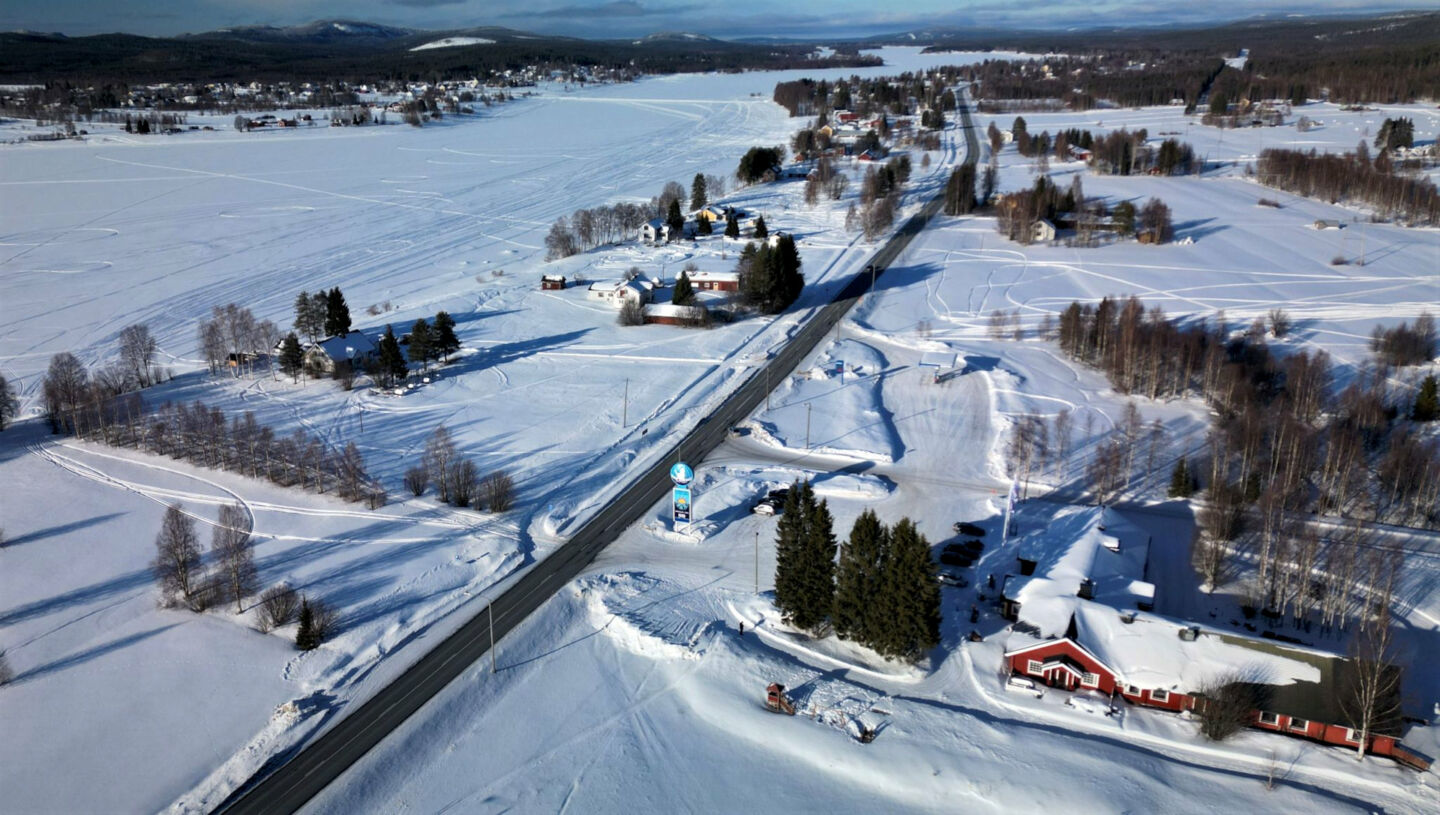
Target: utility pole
[767, 387]
[807, 425]
[625, 406]
[757, 561]
[492, 636]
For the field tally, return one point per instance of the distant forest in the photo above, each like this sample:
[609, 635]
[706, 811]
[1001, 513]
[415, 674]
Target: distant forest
[1382, 60]
[129, 59]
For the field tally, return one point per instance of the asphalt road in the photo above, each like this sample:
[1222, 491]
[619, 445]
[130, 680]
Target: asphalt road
[299, 778]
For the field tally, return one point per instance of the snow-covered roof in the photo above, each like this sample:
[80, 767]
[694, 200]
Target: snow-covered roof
[1149, 651]
[702, 274]
[937, 359]
[352, 345]
[672, 310]
[1080, 544]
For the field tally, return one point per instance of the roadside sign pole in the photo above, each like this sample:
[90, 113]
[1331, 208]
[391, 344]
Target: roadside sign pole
[757, 561]
[492, 636]
[807, 425]
[625, 405]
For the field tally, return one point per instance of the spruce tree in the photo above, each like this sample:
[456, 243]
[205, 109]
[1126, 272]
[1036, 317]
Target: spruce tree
[292, 359]
[337, 314]
[819, 548]
[732, 225]
[309, 320]
[1182, 484]
[913, 591]
[790, 557]
[675, 220]
[1427, 401]
[445, 340]
[761, 230]
[422, 343]
[305, 638]
[704, 227]
[684, 293]
[392, 361]
[697, 193]
[857, 578]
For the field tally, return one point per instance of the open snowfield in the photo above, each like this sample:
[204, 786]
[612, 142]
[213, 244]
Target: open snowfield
[633, 690]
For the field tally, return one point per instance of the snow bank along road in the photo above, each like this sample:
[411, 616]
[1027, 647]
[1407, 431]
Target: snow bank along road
[295, 782]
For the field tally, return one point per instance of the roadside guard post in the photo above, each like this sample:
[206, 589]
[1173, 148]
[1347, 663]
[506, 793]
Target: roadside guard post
[681, 499]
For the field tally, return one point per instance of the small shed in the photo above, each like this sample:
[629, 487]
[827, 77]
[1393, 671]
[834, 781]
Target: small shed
[1043, 231]
[552, 281]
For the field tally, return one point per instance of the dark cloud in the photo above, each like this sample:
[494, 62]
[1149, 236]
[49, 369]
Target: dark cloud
[426, 3]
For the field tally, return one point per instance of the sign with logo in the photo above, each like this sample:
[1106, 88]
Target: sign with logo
[681, 473]
[680, 506]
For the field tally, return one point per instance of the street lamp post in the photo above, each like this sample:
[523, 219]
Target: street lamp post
[757, 561]
[807, 425]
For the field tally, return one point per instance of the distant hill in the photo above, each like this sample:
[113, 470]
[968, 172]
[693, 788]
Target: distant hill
[319, 31]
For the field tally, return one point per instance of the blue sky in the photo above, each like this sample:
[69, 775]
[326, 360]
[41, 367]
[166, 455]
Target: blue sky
[623, 18]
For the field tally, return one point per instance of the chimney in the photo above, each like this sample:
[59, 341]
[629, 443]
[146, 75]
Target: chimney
[1087, 589]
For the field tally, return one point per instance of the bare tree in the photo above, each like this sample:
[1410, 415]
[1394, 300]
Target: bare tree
[1106, 471]
[1280, 322]
[440, 453]
[497, 491]
[1221, 520]
[137, 352]
[278, 605]
[234, 553]
[8, 403]
[177, 556]
[463, 479]
[6, 675]
[1225, 703]
[416, 480]
[1064, 426]
[1370, 688]
[66, 389]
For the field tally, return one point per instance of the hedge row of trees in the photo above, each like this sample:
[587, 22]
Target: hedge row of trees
[1352, 178]
[883, 593]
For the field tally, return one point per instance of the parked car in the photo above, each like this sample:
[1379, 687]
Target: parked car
[964, 528]
[975, 547]
[1021, 684]
[768, 506]
[953, 580]
[737, 431]
[779, 495]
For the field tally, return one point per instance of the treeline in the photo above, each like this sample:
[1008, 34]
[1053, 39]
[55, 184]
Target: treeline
[1384, 60]
[1352, 178]
[905, 94]
[204, 436]
[883, 593]
[1119, 152]
[1018, 213]
[1277, 426]
[1123, 77]
[589, 228]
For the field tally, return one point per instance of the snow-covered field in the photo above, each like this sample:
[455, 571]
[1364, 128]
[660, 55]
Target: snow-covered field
[633, 689]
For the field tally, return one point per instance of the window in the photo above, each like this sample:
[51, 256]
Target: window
[1266, 717]
[1351, 736]
[1034, 667]
[1299, 724]
[1160, 695]
[1133, 690]
[1090, 680]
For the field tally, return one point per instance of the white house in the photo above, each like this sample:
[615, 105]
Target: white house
[655, 231]
[1044, 231]
[616, 292]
